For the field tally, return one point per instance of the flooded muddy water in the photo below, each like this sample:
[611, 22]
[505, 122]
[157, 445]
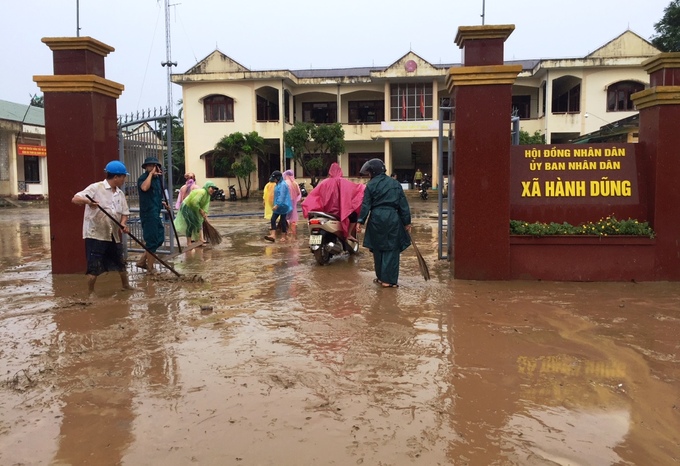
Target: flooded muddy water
[275, 360]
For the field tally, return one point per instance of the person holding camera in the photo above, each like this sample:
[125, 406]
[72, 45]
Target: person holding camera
[150, 203]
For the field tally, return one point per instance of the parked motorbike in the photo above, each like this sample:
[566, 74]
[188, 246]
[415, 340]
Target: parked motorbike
[303, 190]
[218, 195]
[232, 193]
[326, 239]
[424, 186]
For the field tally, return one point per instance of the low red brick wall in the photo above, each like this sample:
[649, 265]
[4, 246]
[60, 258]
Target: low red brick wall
[583, 258]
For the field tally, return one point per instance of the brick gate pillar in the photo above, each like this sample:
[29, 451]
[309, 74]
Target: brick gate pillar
[482, 94]
[659, 138]
[81, 130]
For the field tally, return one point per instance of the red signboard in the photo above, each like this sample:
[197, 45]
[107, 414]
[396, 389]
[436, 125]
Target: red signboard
[29, 149]
[574, 174]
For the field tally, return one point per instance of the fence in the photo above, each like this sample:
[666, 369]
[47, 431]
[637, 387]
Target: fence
[141, 136]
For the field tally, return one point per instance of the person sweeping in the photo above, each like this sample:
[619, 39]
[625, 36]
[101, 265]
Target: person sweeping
[194, 211]
[389, 225]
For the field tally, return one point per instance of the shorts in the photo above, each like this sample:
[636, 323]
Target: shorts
[103, 256]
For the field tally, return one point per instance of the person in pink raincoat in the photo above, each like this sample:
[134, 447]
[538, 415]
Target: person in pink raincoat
[295, 197]
[339, 197]
[184, 191]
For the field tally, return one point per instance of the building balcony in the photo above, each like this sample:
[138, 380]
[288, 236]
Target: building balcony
[392, 130]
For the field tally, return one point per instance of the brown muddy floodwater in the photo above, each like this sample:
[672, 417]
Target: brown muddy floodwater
[274, 360]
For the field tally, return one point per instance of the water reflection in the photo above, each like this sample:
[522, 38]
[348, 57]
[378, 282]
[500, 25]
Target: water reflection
[24, 237]
[298, 363]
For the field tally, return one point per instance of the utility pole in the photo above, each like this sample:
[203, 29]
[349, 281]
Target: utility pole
[77, 18]
[483, 11]
[168, 128]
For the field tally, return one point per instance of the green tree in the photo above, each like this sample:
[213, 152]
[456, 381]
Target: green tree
[177, 136]
[525, 138]
[667, 37]
[237, 150]
[314, 146]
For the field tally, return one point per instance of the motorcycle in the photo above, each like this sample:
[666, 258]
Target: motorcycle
[232, 193]
[218, 195]
[424, 186]
[326, 239]
[303, 190]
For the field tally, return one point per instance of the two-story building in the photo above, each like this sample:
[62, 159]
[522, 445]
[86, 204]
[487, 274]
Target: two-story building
[23, 162]
[393, 112]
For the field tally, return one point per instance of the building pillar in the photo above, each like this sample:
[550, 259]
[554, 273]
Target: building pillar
[659, 137]
[387, 147]
[81, 134]
[434, 176]
[482, 92]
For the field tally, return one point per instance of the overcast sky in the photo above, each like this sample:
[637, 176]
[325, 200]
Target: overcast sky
[294, 34]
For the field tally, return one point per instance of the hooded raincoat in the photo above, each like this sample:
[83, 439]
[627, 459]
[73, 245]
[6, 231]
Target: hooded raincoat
[189, 220]
[282, 201]
[295, 195]
[268, 199]
[386, 237]
[336, 196]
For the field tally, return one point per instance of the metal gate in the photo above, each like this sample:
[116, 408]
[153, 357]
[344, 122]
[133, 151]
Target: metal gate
[445, 225]
[141, 136]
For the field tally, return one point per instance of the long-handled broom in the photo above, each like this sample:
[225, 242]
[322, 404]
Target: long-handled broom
[210, 233]
[421, 261]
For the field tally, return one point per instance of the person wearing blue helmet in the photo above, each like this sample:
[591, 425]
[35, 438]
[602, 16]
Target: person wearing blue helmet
[103, 244]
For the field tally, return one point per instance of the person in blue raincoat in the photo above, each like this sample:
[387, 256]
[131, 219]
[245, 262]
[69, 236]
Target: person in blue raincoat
[389, 224]
[282, 205]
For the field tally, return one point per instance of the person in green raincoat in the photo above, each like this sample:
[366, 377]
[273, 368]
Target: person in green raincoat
[193, 211]
[387, 229]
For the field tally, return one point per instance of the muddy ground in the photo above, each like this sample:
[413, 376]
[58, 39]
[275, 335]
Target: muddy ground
[274, 360]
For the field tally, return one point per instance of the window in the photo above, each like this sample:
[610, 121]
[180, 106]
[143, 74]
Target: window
[31, 169]
[221, 169]
[366, 111]
[618, 96]
[522, 103]
[410, 102]
[320, 112]
[266, 110]
[356, 161]
[218, 108]
[566, 95]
